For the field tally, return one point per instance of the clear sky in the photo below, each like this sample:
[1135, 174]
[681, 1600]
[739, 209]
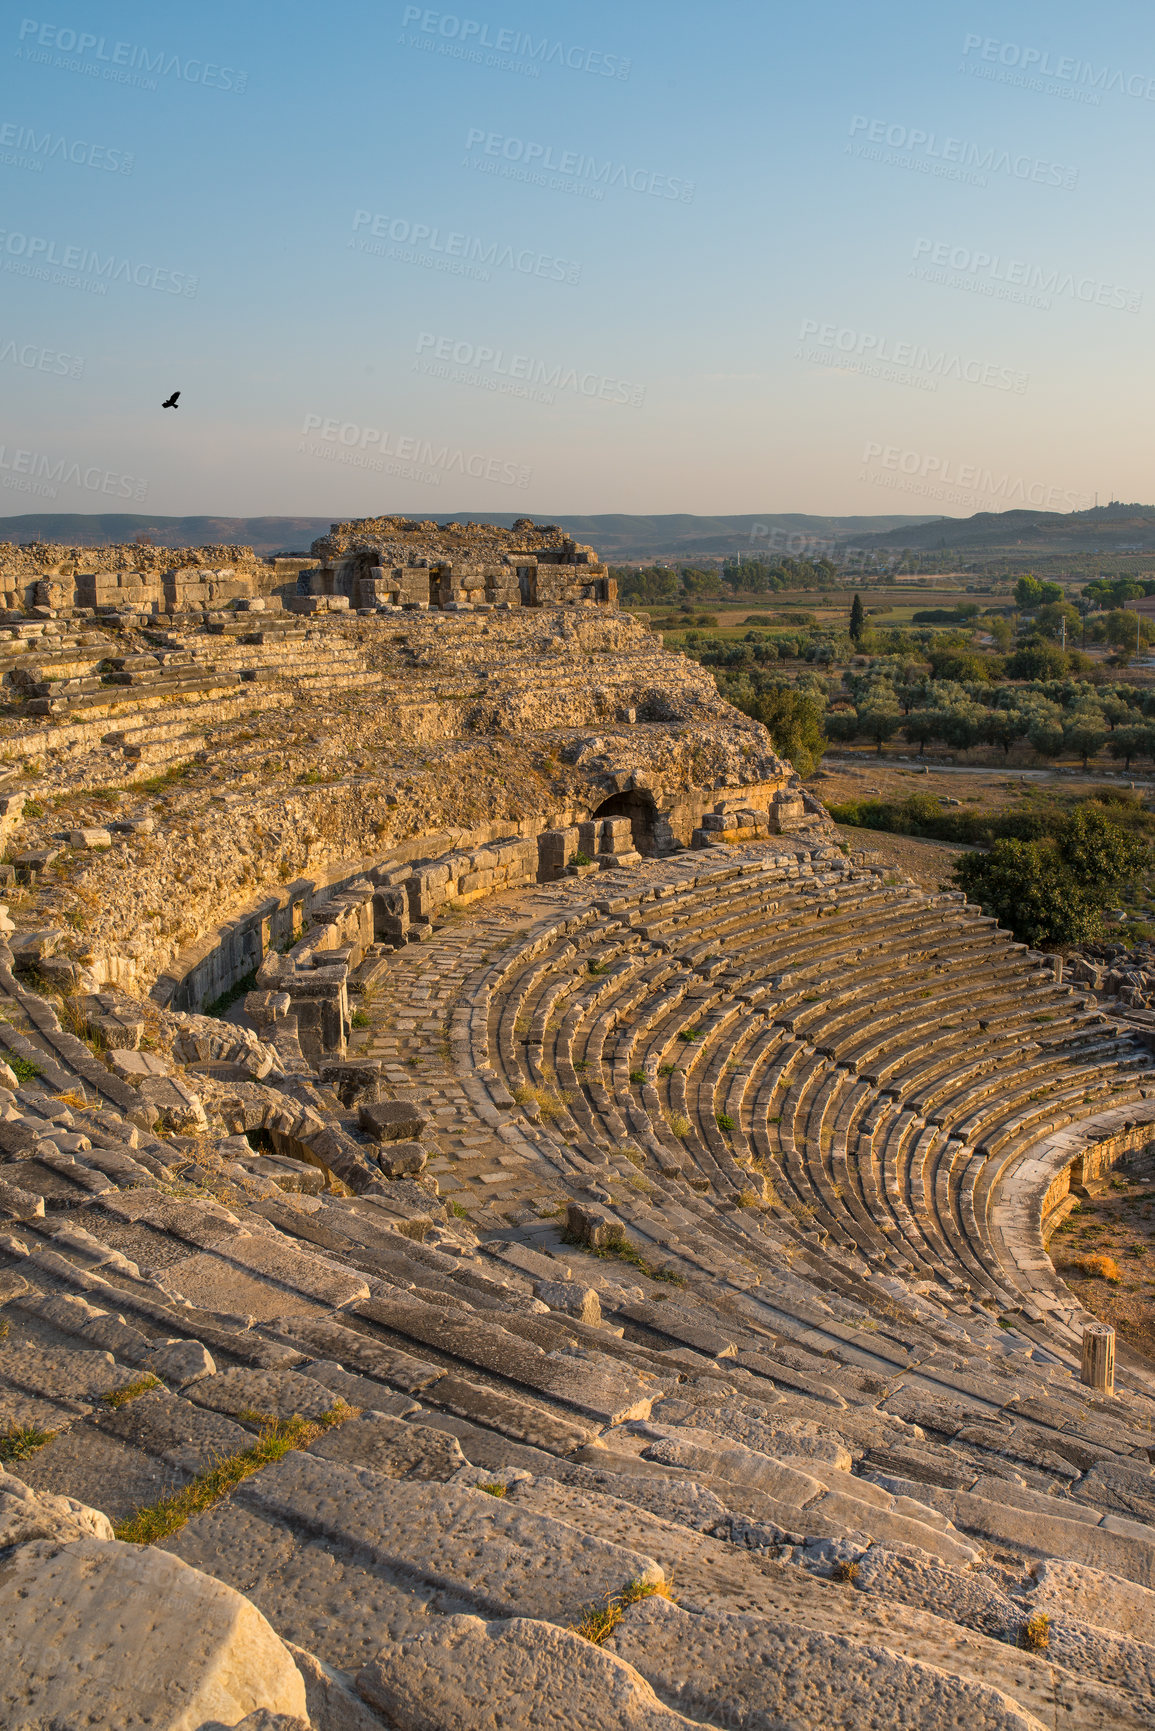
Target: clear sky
[746, 256]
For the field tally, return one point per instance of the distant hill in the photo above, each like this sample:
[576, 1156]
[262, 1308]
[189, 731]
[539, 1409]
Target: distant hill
[1113, 528]
[615, 536]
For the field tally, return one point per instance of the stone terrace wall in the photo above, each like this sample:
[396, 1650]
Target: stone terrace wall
[151, 579]
[292, 751]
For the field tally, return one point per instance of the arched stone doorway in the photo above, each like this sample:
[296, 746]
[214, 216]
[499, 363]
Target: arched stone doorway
[639, 807]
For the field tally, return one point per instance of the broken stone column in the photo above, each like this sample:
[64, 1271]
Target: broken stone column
[1098, 1369]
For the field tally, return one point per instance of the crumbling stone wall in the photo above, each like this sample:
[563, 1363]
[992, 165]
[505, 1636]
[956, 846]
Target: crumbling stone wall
[401, 561]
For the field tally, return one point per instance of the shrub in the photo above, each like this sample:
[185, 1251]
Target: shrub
[598, 1622]
[1099, 1267]
[1035, 1634]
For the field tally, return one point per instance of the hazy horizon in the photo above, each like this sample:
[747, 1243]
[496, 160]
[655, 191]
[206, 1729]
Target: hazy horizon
[647, 262]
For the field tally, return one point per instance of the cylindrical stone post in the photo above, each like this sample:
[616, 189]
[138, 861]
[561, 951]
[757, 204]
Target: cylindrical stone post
[1099, 1357]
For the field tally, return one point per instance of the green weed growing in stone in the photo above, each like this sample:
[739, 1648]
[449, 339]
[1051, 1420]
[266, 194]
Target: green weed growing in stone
[161, 1519]
[118, 1397]
[598, 1622]
[20, 1441]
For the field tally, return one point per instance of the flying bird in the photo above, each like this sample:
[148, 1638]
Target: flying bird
[172, 401]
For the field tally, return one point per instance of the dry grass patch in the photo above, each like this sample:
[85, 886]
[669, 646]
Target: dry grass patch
[1035, 1634]
[598, 1622]
[1098, 1267]
[550, 1102]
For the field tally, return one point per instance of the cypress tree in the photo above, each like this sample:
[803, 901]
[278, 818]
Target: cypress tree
[857, 619]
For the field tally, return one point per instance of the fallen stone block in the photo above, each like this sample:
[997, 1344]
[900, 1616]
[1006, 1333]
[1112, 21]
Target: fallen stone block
[392, 1120]
[180, 1361]
[587, 1225]
[136, 1066]
[85, 838]
[112, 1635]
[173, 1105]
[571, 1298]
[352, 1080]
[402, 1159]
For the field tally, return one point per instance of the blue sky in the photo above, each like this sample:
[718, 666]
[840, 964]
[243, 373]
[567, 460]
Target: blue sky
[739, 257]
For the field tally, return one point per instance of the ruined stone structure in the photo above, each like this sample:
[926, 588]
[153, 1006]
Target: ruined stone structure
[373, 563]
[411, 564]
[502, 1221]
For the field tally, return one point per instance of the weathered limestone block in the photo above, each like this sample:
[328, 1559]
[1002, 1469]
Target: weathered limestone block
[587, 1225]
[392, 1120]
[571, 1298]
[172, 1103]
[353, 1080]
[180, 1361]
[556, 848]
[755, 1670]
[468, 1675]
[402, 1159]
[19, 1204]
[27, 1515]
[125, 1636]
[115, 1019]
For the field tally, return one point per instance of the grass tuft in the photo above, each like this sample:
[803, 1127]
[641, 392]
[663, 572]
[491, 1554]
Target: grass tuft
[598, 1622]
[1035, 1634]
[161, 1519]
[623, 1249]
[20, 1441]
[23, 1068]
[118, 1397]
[494, 1490]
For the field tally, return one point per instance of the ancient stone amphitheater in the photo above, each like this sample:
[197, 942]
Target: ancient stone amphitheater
[504, 1223]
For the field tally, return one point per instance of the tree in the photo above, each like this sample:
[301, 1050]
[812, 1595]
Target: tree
[922, 725]
[960, 727]
[1053, 891]
[1036, 659]
[857, 619]
[1058, 621]
[1129, 742]
[1029, 592]
[1085, 734]
[880, 722]
[1125, 629]
[794, 720]
[1003, 727]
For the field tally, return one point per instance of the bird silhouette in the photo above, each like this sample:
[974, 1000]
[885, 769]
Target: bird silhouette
[172, 402]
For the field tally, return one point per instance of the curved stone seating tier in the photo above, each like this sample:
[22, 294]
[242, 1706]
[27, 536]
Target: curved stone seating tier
[790, 1017]
[786, 1390]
